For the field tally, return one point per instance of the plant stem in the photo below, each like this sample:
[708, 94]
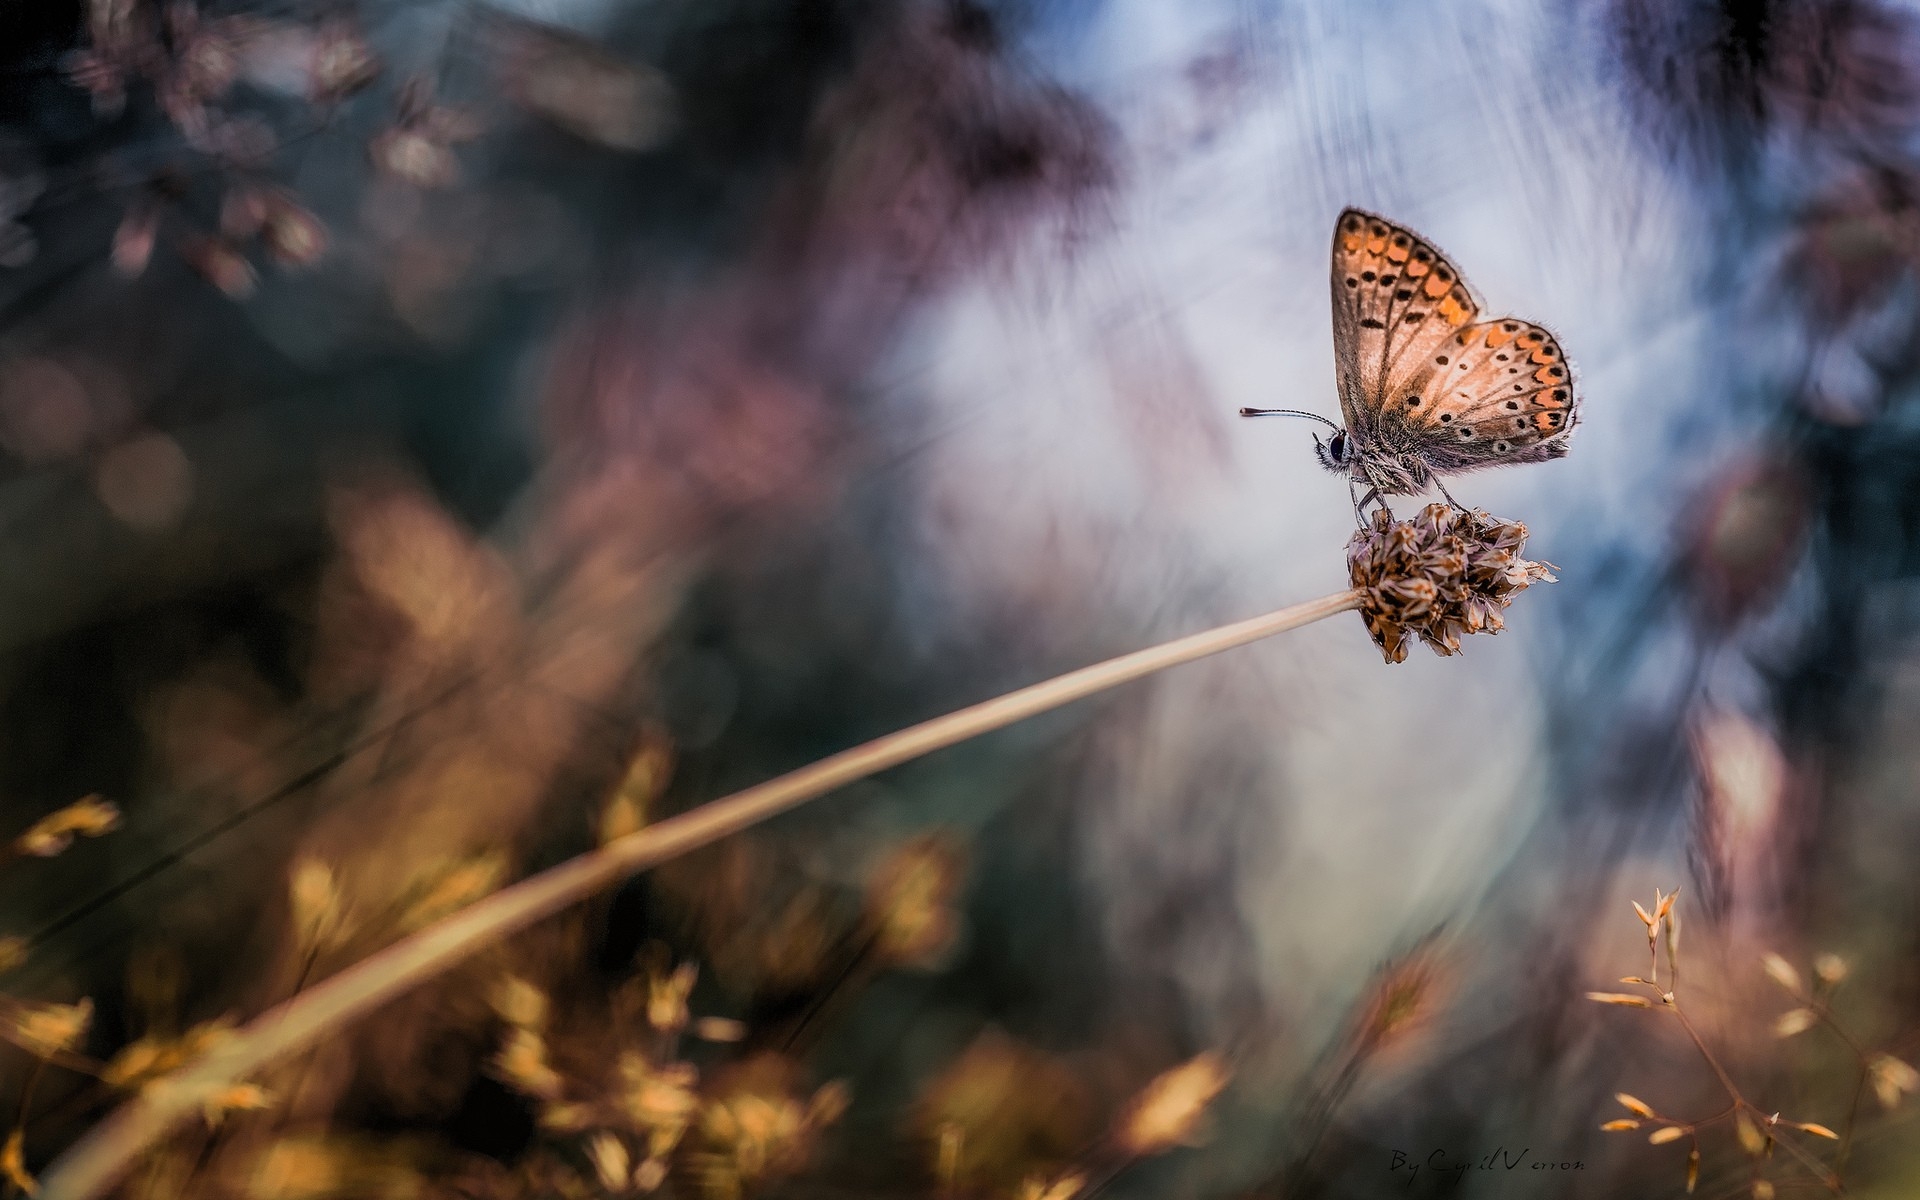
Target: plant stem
[99, 1159]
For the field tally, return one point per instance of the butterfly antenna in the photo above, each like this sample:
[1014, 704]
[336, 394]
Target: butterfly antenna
[1288, 412]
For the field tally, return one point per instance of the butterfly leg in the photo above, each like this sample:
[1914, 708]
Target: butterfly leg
[1360, 505]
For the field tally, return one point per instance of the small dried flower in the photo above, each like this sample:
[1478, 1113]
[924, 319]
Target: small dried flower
[1892, 1078]
[134, 237]
[520, 1003]
[1751, 1139]
[314, 898]
[342, 63]
[522, 1062]
[1794, 1021]
[1762, 1190]
[1167, 1112]
[239, 1097]
[627, 810]
[1646, 917]
[1066, 1187]
[1693, 1169]
[1671, 1133]
[1781, 971]
[567, 1118]
[659, 1101]
[1620, 1126]
[13, 1163]
[50, 1029]
[222, 265]
[649, 1175]
[667, 997]
[53, 833]
[1829, 969]
[610, 1159]
[1816, 1130]
[292, 234]
[1621, 998]
[454, 888]
[1634, 1105]
[719, 1029]
[910, 903]
[1438, 575]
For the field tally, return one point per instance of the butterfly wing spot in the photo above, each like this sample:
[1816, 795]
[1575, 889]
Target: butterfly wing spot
[1370, 323]
[1441, 359]
[1445, 417]
[1502, 447]
[1352, 282]
[1514, 405]
[1369, 276]
[1414, 318]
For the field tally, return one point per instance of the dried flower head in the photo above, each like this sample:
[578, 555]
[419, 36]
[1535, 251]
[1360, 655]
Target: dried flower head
[910, 903]
[13, 1163]
[1168, 1111]
[1892, 1078]
[49, 1029]
[1438, 575]
[667, 997]
[53, 833]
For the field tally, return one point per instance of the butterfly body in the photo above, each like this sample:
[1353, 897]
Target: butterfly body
[1427, 387]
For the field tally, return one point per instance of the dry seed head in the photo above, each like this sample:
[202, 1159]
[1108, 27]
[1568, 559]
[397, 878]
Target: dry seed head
[1168, 1111]
[1646, 918]
[1781, 971]
[667, 997]
[1621, 998]
[1693, 1169]
[1830, 969]
[1635, 1105]
[90, 816]
[1038, 1187]
[315, 901]
[610, 1160]
[567, 1117]
[1660, 1137]
[522, 1063]
[13, 1163]
[1794, 1021]
[1620, 1126]
[1762, 1190]
[1437, 576]
[51, 1029]
[1815, 1130]
[719, 1029]
[1891, 1078]
[649, 1175]
[239, 1097]
[1751, 1139]
[459, 886]
[910, 901]
[520, 1003]
[1665, 906]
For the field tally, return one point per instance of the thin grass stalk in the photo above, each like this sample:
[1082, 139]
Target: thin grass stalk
[95, 1163]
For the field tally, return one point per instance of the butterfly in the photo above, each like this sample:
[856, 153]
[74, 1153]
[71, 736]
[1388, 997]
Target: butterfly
[1426, 387]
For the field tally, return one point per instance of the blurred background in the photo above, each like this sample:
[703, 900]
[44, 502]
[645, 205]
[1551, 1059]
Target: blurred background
[435, 437]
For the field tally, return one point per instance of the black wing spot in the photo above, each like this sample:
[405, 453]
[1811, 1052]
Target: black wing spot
[1414, 318]
[1445, 417]
[1403, 294]
[1513, 404]
[1555, 418]
[1508, 326]
[1387, 280]
[1500, 357]
[1369, 276]
[1413, 402]
[1554, 372]
[1519, 422]
[1441, 359]
[1560, 394]
[1370, 323]
[1352, 282]
[1353, 223]
[1466, 435]
[1518, 387]
[1400, 239]
[1502, 447]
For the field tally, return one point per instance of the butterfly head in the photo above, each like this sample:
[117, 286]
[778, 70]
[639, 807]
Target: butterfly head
[1337, 452]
